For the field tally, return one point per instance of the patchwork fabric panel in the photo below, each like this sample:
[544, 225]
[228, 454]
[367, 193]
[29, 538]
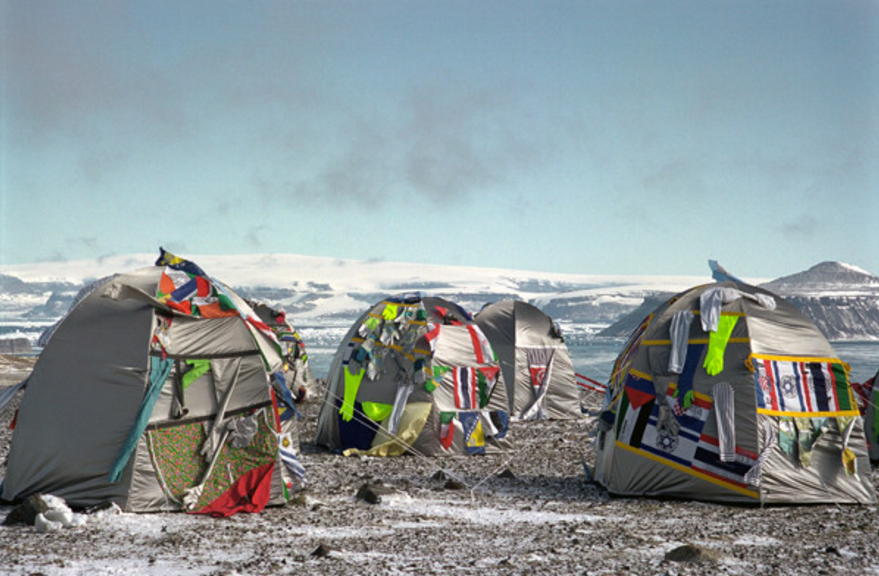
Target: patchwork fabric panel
[662, 430]
[179, 464]
[802, 386]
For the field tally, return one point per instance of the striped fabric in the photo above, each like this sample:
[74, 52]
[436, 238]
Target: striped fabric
[724, 412]
[465, 388]
[802, 386]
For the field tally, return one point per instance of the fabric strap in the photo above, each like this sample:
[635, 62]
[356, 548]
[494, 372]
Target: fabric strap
[159, 371]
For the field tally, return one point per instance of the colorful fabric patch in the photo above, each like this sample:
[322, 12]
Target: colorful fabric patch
[486, 378]
[193, 295]
[431, 335]
[707, 460]
[377, 411]
[639, 389]
[539, 362]
[447, 429]
[465, 388]
[798, 386]
[481, 347]
[640, 429]
[176, 455]
[250, 493]
[474, 438]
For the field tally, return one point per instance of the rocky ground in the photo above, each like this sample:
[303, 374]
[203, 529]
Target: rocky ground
[529, 512]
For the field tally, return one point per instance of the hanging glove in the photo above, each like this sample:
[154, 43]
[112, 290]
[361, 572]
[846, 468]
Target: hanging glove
[717, 342]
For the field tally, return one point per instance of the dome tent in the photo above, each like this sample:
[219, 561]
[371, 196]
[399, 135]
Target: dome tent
[414, 374]
[728, 393]
[534, 359]
[157, 392]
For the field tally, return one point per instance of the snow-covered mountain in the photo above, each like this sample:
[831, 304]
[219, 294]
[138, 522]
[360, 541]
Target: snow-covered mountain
[842, 300]
[326, 293]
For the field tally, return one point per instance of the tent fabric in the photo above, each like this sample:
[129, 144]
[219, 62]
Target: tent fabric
[88, 402]
[870, 410]
[520, 333]
[423, 357]
[766, 417]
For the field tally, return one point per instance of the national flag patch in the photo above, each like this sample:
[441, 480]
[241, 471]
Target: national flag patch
[465, 388]
[639, 389]
[642, 429]
[474, 437]
[801, 386]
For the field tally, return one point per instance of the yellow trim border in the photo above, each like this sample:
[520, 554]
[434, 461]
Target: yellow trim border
[808, 414]
[744, 340]
[690, 471]
[778, 358]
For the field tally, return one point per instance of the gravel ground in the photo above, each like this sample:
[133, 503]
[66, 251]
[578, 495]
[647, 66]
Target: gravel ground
[529, 512]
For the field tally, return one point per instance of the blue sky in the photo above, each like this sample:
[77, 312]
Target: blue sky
[591, 136]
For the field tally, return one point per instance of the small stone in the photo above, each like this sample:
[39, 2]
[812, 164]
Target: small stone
[27, 511]
[322, 551]
[372, 493]
[692, 553]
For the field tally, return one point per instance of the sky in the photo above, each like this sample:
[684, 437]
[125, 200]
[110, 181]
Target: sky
[580, 136]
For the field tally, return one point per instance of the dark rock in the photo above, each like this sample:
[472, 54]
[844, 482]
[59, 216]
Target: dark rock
[372, 493]
[27, 511]
[453, 485]
[507, 474]
[322, 551]
[692, 553]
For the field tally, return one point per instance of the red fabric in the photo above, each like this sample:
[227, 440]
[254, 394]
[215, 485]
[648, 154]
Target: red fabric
[490, 372]
[250, 493]
[446, 440]
[185, 306]
[214, 310]
[276, 410]
[203, 286]
[538, 375]
[638, 398]
[166, 285]
[477, 346]
[862, 393]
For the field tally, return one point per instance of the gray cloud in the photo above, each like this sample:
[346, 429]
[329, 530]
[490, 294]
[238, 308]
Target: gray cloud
[445, 141]
[805, 226]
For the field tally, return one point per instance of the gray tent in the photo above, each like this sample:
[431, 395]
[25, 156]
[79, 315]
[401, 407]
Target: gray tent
[728, 393]
[534, 360]
[414, 374]
[156, 393]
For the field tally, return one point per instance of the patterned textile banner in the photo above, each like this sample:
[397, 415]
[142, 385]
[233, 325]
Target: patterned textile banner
[802, 386]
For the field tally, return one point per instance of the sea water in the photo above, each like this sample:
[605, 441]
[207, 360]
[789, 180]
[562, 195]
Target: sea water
[594, 358]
